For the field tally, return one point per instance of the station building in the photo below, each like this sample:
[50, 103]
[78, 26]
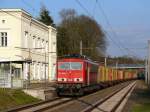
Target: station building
[27, 49]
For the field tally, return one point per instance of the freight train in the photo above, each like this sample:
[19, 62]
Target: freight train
[77, 75]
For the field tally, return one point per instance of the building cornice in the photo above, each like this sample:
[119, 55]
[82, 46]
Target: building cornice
[29, 15]
[16, 10]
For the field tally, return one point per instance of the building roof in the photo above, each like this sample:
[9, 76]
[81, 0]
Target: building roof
[25, 12]
[15, 10]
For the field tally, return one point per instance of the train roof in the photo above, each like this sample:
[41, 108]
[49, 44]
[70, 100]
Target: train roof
[77, 57]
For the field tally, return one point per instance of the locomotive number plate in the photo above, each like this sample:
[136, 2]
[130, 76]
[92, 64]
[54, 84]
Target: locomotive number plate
[70, 79]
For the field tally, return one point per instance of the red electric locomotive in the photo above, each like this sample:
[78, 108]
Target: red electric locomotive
[76, 74]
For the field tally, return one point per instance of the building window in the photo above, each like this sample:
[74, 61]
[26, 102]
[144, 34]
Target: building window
[3, 21]
[3, 39]
[34, 42]
[42, 46]
[39, 44]
[46, 46]
[26, 40]
[17, 72]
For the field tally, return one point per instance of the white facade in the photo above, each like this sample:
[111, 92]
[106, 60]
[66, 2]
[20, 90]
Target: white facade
[19, 29]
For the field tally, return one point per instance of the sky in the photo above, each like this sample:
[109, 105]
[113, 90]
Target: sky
[126, 22]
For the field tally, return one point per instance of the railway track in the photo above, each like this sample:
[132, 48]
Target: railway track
[89, 102]
[114, 101]
[41, 106]
[82, 104]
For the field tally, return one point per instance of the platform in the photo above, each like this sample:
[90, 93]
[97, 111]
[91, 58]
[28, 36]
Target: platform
[41, 90]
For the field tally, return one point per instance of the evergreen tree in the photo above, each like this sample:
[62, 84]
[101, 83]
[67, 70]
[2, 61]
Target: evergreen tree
[45, 17]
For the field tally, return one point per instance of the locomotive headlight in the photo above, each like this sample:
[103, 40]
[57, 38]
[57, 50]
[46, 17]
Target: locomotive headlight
[78, 79]
[62, 79]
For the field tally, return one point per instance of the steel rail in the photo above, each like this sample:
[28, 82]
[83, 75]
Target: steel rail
[61, 102]
[118, 104]
[95, 105]
[52, 106]
[32, 105]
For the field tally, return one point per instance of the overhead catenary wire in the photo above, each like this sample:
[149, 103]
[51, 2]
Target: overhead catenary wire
[142, 48]
[132, 53]
[30, 6]
[94, 8]
[108, 35]
[121, 48]
[80, 4]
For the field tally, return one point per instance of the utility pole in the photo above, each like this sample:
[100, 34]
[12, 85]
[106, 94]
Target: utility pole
[81, 47]
[116, 65]
[146, 70]
[148, 77]
[105, 61]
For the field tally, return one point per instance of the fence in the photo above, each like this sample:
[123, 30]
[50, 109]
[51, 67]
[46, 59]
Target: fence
[5, 77]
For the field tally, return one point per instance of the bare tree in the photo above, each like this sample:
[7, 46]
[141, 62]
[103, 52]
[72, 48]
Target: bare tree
[80, 27]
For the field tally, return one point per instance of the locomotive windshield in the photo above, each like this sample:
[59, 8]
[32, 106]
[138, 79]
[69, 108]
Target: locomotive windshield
[76, 66]
[64, 66]
[70, 66]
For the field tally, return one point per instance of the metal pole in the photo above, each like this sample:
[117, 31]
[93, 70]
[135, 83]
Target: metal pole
[105, 61]
[116, 65]
[146, 72]
[116, 68]
[148, 77]
[81, 47]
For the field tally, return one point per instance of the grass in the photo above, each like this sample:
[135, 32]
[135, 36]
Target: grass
[142, 100]
[13, 97]
[141, 108]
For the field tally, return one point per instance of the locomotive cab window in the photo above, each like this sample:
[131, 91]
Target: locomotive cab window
[76, 66]
[70, 66]
[64, 66]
